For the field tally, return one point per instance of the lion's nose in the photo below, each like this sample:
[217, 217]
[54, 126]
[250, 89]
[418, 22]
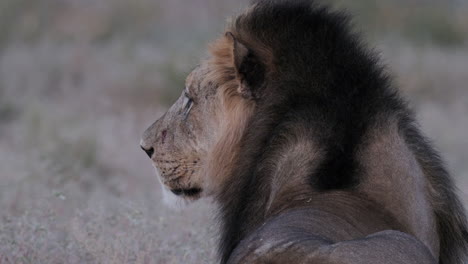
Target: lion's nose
[149, 151]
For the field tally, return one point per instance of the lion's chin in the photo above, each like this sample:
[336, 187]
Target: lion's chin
[173, 201]
[178, 199]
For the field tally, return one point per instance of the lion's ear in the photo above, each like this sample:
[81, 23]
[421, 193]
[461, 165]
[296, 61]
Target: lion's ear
[247, 68]
[239, 51]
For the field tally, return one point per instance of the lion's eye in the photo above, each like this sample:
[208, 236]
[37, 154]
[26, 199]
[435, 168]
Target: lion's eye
[188, 103]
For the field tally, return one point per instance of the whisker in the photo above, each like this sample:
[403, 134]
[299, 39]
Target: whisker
[172, 179]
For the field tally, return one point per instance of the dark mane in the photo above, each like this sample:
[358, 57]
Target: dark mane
[322, 78]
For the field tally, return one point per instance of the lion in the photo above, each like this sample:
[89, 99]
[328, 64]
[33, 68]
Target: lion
[294, 128]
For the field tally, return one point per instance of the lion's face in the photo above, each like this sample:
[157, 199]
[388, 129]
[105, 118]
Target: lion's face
[195, 144]
[178, 142]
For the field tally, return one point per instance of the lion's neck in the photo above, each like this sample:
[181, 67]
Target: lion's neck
[270, 166]
[289, 168]
[227, 149]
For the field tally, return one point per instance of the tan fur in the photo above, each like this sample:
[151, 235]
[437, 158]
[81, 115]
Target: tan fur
[226, 151]
[293, 157]
[390, 165]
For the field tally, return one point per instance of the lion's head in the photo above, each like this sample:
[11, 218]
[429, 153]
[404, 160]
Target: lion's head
[192, 146]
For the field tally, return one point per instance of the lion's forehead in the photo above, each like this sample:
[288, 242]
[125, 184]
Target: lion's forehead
[199, 76]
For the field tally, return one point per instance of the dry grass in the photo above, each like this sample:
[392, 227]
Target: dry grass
[81, 80]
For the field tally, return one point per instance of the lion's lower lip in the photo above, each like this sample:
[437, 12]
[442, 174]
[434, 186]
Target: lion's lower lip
[186, 192]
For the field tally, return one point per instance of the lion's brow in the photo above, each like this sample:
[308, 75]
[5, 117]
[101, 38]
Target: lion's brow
[191, 73]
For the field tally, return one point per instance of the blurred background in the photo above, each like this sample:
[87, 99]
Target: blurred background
[80, 80]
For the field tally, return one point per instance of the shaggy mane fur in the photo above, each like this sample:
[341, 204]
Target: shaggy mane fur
[315, 74]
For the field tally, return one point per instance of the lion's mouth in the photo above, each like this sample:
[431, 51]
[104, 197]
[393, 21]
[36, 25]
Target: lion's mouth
[187, 192]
